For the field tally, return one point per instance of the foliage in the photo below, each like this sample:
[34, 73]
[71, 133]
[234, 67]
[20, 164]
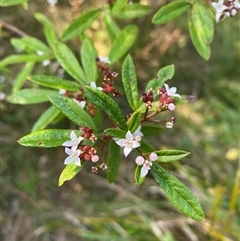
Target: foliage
[78, 97]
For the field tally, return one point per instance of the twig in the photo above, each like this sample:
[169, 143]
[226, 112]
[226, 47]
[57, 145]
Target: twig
[13, 28]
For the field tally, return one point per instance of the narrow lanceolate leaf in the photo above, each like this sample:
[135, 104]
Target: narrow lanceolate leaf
[46, 138]
[138, 178]
[55, 82]
[164, 74]
[15, 59]
[72, 110]
[69, 172]
[30, 96]
[113, 161]
[7, 3]
[134, 10]
[22, 76]
[171, 155]
[170, 11]
[123, 43]
[201, 34]
[107, 104]
[69, 62]
[88, 57]
[30, 45]
[181, 197]
[79, 25]
[118, 5]
[134, 121]
[129, 80]
[46, 118]
[49, 29]
[115, 133]
[112, 29]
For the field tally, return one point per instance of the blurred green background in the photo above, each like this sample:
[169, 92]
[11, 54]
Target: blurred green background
[33, 207]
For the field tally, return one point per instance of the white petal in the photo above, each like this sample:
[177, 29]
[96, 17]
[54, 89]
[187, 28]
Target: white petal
[93, 84]
[135, 144]
[144, 171]
[166, 87]
[69, 151]
[127, 150]
[67, 143]
[129, 136]
[121, 142]
[77, 161]
[172, 90]
[73, 135]
[68, 160]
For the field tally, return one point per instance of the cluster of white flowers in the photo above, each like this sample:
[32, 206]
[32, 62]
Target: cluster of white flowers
[225, 9]
[73, 153]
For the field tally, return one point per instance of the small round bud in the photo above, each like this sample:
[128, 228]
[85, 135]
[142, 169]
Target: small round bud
[95, 158]
[153, 156]
[139, 160]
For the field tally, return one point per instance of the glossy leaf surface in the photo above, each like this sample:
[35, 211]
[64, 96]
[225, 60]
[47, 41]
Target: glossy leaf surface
[107, 104]
[72, 110]
[55, 82]
[180, 196]
[129, 79]
[46, 138]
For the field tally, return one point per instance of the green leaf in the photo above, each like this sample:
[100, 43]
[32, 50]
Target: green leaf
[134, 121]
[170, 11]
[7, 3]
[149, 130]
[69, 62]
[106, 103]
[164, 74]
[171, 155]
[55, 82]
[118, 5]
[178, 193]
[113, 161]
[15, 59]
[46, 138]
[46, 118]
[112, 29]
[123, 43]
[72, 110]
[69, 172]
[31, 44]
[201, 30]
[138, 179]
[79, 25]
[115, 132]
[30, 96]
[49, 29]
[134, 10]
[129, 80]
[88, 57]
[203, 22]
[22, 76]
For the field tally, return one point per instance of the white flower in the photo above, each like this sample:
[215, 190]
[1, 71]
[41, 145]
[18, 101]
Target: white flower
[73, 156]
[52, 2]
[219, 8]
[40, 53]
[169, 124]
[93, 84]
[104, 59]
[146, 164]
[172, 91]
[46, 62]
[62, 91]
[129, 143]
[73, 142]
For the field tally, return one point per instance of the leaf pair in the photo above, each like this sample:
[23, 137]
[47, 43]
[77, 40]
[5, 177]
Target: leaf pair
[199, 21]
